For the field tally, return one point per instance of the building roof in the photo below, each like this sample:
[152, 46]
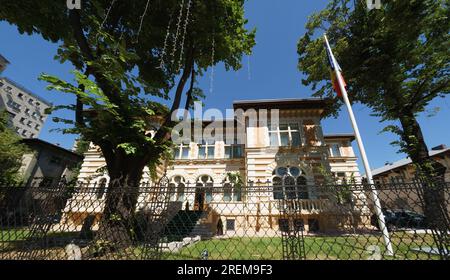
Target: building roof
[288, 103]
[22, 88]
[36, 141]
[350, 136]
[4, 59]
[404, 162]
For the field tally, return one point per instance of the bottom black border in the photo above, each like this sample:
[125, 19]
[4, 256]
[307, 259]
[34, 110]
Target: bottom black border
[165, 270]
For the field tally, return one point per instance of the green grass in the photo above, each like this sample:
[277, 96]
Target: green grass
[13, 234]
[263, 248]
[316, 248]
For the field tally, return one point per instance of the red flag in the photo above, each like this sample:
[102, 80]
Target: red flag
[333, 66]
[335, 83]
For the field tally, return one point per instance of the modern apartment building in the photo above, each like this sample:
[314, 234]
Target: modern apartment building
[26, 110]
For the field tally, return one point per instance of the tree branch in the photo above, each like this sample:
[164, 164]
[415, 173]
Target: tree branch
[79, 119]
[435, 91]
[75, 21]
[189, 93]
[161, 135]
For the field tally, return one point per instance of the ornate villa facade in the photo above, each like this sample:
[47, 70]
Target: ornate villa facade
[295, 153]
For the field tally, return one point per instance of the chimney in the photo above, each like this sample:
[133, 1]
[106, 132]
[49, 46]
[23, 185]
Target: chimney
[440, 147]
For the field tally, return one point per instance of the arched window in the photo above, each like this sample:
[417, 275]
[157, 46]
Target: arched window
[176, 188]
[207, 183]
[289, 183]
[101, 188]
[302, 191]
[227, 190]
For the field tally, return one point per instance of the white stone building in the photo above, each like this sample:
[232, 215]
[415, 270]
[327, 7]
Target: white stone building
[274, 160]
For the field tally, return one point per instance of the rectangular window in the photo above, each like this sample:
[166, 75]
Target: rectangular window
[335, 150]
[185, 152]
[313, 225]
[285, 135]
[233, 151]
[206, 150]
[210, 152]
[14, 105]
[296, 138]
[299, 225]
[202, 152]
[231, 224]
[283, 224]
[176, 153]
[238, 151]
[274, 139]
[228, 151]
[284, 138]
[181, 152]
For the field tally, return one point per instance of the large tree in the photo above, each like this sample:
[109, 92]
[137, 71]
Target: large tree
[128, 55]
[11, 153]
[395, 61]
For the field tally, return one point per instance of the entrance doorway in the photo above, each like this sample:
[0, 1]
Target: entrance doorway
[199, 204]
[203, 192]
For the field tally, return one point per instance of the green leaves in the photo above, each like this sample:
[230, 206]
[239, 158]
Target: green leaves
[129, 148]
[11, 152]
[391, 57]
[121, 74]
[90, 95]
[395, 60]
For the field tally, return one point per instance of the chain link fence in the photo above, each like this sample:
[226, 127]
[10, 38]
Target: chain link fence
[225, 222]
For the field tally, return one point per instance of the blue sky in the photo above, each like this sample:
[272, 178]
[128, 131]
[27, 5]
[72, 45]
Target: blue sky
[272, 73]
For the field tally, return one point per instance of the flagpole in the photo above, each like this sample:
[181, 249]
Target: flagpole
[379, 213]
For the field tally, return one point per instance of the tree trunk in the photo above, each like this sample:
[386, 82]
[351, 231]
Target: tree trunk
[416, 147]
[117, 222]
[432, 186]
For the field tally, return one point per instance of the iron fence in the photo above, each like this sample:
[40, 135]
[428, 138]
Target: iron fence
[227, 221]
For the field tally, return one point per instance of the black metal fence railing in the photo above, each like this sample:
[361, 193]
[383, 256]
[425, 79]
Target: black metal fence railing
[225, 222]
